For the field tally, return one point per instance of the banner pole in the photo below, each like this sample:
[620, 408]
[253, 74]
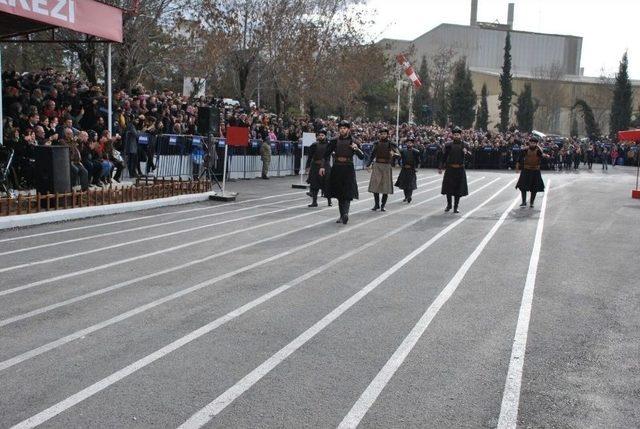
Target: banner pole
[301, 143]
[224, 169]
[399, 84]
[109, 92]
[1, 116]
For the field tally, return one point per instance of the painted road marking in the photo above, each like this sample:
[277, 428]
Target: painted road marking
[371, 393]
[204, 415]
[511, 396]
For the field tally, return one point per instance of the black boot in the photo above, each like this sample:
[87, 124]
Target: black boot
[448, 208]
[533, 198]
[455, 205]
[376, 199]
[329, 203]
[409, 195]
[524, 199]
[345, 211]
[314, 196]
[384, 202]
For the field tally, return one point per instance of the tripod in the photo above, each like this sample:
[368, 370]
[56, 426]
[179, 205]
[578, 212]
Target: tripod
[5, 170]
[209, 162]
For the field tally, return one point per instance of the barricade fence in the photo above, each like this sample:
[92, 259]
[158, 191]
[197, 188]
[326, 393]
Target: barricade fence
[187, 157]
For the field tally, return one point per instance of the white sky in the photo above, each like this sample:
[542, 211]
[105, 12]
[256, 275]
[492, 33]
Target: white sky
[608, 27]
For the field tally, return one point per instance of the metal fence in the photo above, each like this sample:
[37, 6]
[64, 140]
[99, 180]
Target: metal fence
[183, 156]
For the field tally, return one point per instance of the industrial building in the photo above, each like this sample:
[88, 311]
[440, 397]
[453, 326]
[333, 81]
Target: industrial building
[541, 59]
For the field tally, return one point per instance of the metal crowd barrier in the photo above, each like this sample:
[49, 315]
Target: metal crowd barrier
[183, 156]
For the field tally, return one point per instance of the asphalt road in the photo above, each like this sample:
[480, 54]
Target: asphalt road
[265, 313]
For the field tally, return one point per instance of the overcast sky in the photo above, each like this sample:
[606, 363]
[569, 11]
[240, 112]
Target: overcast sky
[608, 27]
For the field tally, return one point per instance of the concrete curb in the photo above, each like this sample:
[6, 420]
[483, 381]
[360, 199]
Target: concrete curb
[18, 221]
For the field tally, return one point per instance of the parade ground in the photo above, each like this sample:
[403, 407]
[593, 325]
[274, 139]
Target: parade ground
[264, 313]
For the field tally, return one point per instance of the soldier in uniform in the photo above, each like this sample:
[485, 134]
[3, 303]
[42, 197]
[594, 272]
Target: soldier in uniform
[315, 161]
[265, 156]
[342, 183]
[454, 183]
[407, 180]
[530, 178]
[384, 151]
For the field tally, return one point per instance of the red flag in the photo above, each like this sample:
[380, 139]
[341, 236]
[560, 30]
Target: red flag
[409, 71]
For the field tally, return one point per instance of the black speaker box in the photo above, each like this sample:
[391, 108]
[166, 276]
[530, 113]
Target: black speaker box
[208, 120]
[52, 169]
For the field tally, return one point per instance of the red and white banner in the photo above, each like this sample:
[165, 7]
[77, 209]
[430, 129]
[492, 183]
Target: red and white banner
[84, 16]
[408, 70]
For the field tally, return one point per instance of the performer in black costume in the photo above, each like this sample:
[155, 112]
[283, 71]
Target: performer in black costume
[315, 161]
[454, 183]
[407, 180]
[384, 151]
[530, 177]
[342, 181]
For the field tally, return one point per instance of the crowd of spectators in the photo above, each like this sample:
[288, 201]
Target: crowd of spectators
[54, 108]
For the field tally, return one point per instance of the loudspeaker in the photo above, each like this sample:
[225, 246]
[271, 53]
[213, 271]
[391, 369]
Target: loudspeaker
[208, 120]
[52, 169]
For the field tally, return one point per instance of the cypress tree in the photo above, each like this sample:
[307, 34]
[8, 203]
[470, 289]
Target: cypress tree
[422, 103]
[622, 105]
[482, 120]
[526, 109]
[441, 106]
[462, 97]
[506, 87]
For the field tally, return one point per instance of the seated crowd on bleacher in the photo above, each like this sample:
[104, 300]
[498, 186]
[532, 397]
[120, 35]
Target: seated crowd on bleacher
[53, 108]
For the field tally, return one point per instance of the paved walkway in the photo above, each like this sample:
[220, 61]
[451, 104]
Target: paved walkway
[265, 313]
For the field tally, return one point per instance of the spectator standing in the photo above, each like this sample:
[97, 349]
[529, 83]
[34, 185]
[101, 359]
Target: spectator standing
[265, 157]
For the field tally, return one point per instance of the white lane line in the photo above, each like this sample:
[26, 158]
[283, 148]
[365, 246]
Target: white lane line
[116, 222]
[156, 225]
[371, 393]
[204, 415]
[511, 396]
[129, 282]
[169, 249]
[123, 316]
[147, 360]
[158, 236]
[141, 228]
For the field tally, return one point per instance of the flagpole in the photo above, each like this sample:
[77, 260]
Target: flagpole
[399, 86]
[224, 169]
[410, 104]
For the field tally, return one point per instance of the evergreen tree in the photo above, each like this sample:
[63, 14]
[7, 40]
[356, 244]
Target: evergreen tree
[482, 120]
[422, 103]
[506, 86]
[526, 109]
[622, 105]
[590, 123]
[441, 107]
[462, 97]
